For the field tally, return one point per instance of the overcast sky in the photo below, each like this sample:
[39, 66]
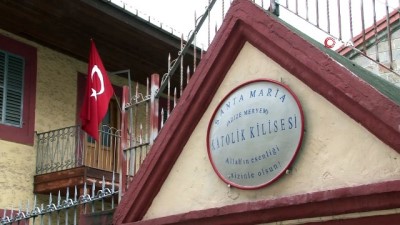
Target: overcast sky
[178, 16]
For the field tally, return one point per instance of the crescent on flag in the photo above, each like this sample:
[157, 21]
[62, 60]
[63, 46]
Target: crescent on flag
[100, 88]
[96, 70]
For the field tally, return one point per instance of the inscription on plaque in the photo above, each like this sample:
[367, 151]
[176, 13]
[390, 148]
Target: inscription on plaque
[255, 133]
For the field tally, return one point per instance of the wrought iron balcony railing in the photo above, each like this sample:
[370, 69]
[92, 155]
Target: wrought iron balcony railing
[71, 147]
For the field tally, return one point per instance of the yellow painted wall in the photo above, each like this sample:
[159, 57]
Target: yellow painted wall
[56, 91]
[55, 108]
[16, 174]
[336, 151]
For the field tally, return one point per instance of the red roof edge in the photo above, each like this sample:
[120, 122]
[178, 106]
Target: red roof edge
[347, 200]
[370, 32]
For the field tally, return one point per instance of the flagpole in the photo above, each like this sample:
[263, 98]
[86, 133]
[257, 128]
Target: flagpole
[129, 85]
[119, 105]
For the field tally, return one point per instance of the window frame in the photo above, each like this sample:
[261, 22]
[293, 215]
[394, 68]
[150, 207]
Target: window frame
[25, 133]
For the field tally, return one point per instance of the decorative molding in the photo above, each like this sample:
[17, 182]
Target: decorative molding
[315, 68]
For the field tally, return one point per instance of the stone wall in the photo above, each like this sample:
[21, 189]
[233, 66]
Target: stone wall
[383, 56]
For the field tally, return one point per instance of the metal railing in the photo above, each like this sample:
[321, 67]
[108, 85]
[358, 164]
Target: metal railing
[352, 25]
[139, 127]
[71, 147]
[65, 209]
[356, 28]
[365, 31]
[147, 110]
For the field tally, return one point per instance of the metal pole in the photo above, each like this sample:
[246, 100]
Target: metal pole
[184, 50]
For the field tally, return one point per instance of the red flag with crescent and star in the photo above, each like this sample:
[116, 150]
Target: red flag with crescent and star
[97, 95]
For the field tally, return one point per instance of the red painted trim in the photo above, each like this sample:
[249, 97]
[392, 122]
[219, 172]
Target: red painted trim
[313, 67]
[363, 198]
[177, 130]
[98, 218]
[337, 84]
[370, 32]
[154, 107]
[24, 134]
[372, 220]
[124, 142]
[294, 153]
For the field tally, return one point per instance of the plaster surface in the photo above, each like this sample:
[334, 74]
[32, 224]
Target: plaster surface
[56, 107]
[336, 151]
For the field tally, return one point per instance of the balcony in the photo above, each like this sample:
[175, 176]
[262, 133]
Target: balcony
[68, 157]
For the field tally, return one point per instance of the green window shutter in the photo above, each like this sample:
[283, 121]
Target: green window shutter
[11, 89]
[2, 67]
[2, 75]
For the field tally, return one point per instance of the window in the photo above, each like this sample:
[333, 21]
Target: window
[17, 91]
[11, 89]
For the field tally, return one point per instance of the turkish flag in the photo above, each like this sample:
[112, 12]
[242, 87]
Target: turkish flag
[97, 95]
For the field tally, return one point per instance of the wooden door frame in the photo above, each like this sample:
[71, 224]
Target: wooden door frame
[81, 85]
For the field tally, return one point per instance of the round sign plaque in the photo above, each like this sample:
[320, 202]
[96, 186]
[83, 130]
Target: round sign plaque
[255, 133]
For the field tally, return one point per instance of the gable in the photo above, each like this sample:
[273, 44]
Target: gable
[329, 158]
[316, 69]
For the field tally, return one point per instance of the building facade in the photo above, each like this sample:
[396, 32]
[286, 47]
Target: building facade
[345, 172]
[44, 54]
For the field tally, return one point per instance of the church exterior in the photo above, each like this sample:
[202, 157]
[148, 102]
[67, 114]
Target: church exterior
[320, 145]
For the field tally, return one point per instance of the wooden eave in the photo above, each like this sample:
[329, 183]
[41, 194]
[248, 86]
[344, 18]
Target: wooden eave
[124, 40]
